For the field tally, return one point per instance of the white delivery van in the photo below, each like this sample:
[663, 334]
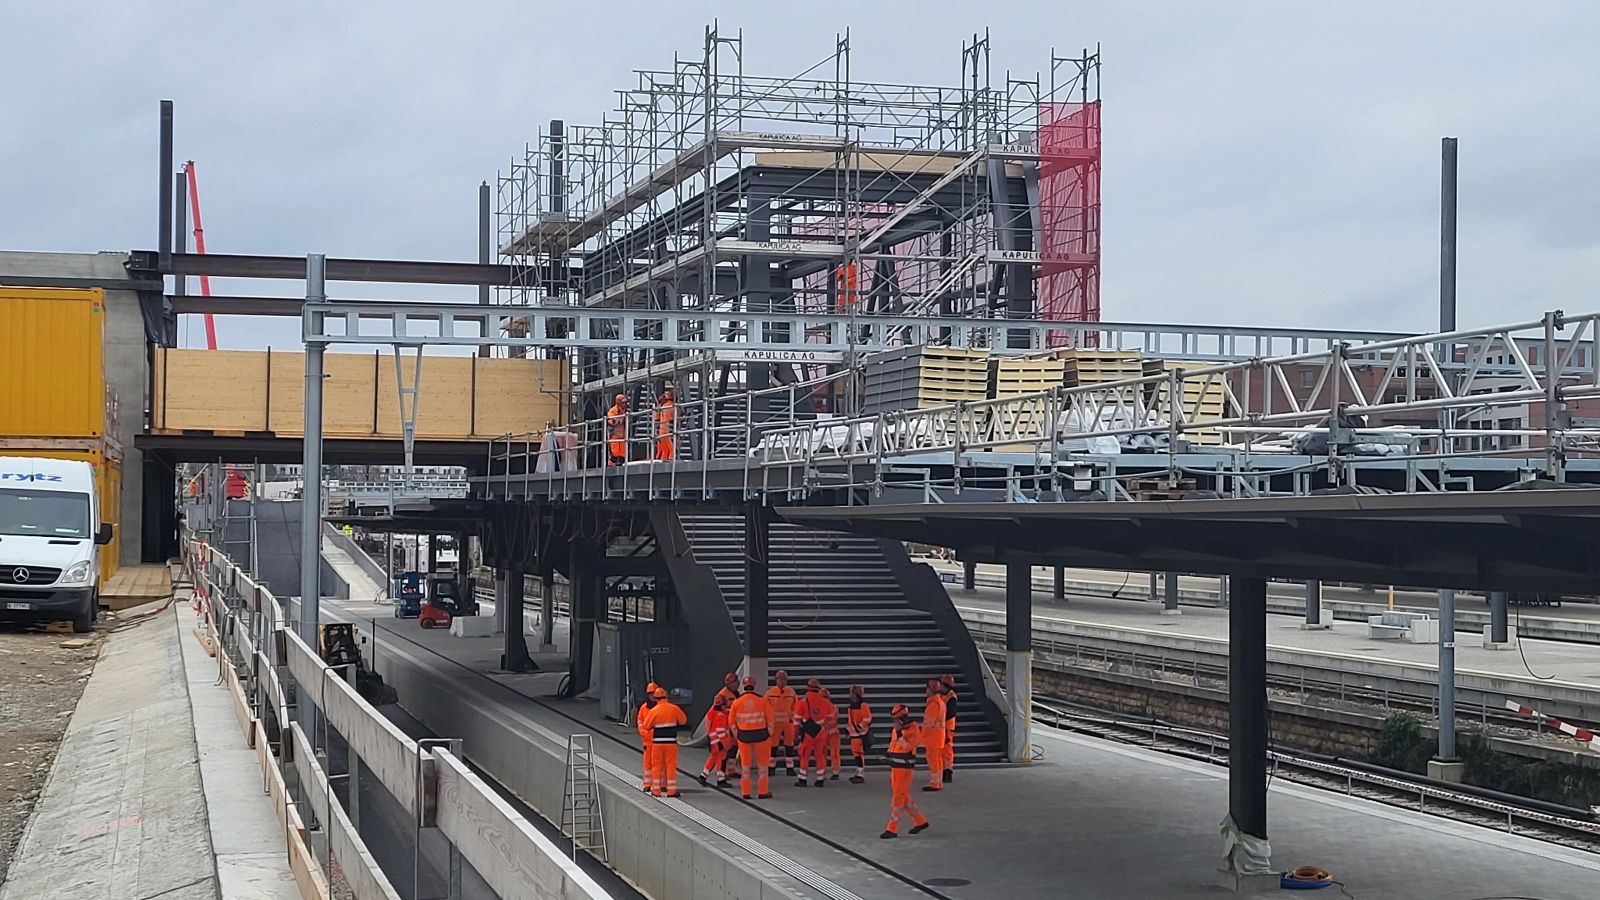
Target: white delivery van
[50, 540]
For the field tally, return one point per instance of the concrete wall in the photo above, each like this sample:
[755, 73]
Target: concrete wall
[127, 367]
[278, 547]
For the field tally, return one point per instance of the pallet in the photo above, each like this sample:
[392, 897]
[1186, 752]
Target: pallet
[136, 586]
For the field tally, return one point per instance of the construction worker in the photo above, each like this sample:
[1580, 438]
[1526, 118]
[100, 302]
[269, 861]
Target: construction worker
[729, 692]
[781, 700]
[933, 718]
[808, 723]
[904, 736]
[721, 742]
[666, 413]
[649, 778]
[947, 686]
[617, 431]
[858, 724]
[664, 720]
[829, 738]
[752, 728]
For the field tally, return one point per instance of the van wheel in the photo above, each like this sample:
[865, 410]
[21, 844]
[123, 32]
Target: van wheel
[83, 622]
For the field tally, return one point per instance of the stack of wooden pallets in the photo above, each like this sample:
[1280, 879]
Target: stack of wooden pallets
[924, 377]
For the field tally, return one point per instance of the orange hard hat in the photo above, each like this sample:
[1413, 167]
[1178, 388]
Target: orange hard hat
[731, 678]
[622, 398]
[825, 694]
[813, 684]
[899, 711]
[719, 701]
[650, 689]
[749, 684]
[660, 693]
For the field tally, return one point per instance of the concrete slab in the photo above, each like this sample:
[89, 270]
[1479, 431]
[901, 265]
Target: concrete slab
[123, 815]
[245, 837]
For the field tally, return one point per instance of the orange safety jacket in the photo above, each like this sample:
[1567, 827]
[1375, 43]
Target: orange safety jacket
[933, 720]
[665, 413]
[664, 720]
[808, 713]
[639, 720]
[858, 719]
[902, 752]
[828, 716]
[752, 720]
[717, 727]
[782, 700]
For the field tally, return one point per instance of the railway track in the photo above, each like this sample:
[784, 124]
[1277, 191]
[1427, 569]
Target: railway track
[1475, 809]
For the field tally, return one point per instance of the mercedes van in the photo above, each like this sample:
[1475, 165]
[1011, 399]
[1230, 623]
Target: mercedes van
[50, 540]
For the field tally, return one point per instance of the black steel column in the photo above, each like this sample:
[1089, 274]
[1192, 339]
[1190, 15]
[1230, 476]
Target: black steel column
[969, 575]
[485, 237]
[1497, 616]
[1059, 589]
[757, 551]
[1019, 659]
[1247, 704]
[756, 278]
[587, 577]
[515, 658]
[1170, 592]
[164, 192]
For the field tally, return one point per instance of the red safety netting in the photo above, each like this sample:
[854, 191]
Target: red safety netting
[1069, 217]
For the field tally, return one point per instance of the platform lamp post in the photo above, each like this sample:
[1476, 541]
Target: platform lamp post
[1445, 766]
[311, 460]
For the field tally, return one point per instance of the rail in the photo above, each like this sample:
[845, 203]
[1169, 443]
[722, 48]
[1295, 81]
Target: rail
[284, 687]
[1468, 378]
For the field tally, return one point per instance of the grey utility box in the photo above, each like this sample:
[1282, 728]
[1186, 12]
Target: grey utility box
[633, 654]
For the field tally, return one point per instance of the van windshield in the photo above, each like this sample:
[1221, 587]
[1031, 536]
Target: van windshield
[44, 513]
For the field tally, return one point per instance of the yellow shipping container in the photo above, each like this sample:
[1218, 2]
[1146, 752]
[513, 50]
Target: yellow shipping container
[51, 345]
[108, 480]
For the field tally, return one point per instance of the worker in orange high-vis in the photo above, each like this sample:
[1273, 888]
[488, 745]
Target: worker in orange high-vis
[947, 687]
[617, 431]
[752, 729]
[808, 723]
[666, 415]
[664, 719]
[729, 692]
[781, 699]
[829, 738]
[904, 736]
[858, 724]
[649, 778]
[933, 717]
[721, 740]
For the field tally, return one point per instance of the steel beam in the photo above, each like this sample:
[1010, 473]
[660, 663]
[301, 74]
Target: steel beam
[1447, 676]
[516, 642]
[757, 555]
[1019, 659]
[1497, 617]
[1247, 704]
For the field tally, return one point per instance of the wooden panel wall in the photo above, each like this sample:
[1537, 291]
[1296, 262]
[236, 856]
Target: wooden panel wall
[461, 397]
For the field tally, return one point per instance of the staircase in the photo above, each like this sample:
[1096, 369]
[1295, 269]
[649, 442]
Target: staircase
[837, 612]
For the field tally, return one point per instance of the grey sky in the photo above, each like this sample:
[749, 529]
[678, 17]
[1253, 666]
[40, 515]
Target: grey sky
[1265, 162]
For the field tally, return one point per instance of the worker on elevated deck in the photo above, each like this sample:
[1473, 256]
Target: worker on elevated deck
[781, 699]
[666, 415]
[858, 724]
[664, 720]
[752, 728]
[721, 740]
[617, 431]
[933, 739]
[904, 737]
[649, 778]
[947, 686]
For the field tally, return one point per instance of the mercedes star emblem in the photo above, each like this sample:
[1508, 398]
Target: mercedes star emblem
[19, 575]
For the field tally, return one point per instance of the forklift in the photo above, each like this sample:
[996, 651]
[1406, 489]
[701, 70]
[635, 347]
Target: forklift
[445, 601]
[408, 596]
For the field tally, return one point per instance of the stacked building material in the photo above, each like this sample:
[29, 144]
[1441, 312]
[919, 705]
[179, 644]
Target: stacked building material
[1199, 399]
[924, 377]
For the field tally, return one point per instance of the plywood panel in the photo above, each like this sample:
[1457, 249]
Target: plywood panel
[213, 390]
[444, 404]
[515, 396]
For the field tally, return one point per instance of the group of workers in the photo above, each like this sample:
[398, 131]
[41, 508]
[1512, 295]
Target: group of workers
[617, 442]
[751, 733]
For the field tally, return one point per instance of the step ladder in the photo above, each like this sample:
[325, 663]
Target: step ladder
[581, 820]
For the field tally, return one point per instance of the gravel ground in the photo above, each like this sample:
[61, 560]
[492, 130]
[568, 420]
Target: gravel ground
[40, 683]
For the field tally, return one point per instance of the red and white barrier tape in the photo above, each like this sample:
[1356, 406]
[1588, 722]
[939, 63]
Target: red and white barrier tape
[1582, 734]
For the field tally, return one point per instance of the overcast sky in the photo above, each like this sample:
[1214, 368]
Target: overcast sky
[1272, 163]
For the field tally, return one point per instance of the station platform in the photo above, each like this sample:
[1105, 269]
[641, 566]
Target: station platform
[1086, 818]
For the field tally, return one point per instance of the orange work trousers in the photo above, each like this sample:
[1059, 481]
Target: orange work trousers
[936, 765]
[753, 761]
[716, 761]
[811, 751]
[830, 747]
[900, 801]
[619, 452]
[666, 759]
[783, 744]
[649, 779]
[664, 448]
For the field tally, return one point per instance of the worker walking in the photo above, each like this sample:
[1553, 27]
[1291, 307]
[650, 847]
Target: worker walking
[933, 719]
[664, 719]
[830, 735]
[752, 728]
[808, 723]
[721, 742]
[904, 736]
[649, 703]
[617, 431]
[729, 692]
[666, 415]
[781, 700]
[858, 724]
[947, 686]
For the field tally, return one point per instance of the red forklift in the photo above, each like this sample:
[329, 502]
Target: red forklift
[445, 601]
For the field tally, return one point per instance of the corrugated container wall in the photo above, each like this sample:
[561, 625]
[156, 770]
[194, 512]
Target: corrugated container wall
[108, 479]
[51, 344]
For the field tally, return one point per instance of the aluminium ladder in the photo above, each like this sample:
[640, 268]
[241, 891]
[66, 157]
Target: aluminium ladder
[581, 820]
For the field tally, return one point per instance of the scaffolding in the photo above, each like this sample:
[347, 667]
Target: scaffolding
[711, 188]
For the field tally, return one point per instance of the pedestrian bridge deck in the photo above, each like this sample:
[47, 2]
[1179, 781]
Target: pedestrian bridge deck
[1087, 818]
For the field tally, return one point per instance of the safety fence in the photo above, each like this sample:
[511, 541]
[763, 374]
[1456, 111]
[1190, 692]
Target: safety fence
[293, 706]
